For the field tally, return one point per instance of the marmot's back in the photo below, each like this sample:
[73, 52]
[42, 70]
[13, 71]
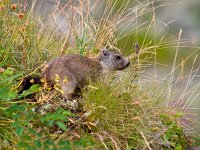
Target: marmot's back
[72, 66]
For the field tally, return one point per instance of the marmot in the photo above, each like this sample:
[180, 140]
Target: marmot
[73, 71]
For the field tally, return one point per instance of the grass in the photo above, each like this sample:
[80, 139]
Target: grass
[119, 111]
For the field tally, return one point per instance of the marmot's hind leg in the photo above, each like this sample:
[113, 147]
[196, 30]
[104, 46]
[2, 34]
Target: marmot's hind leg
[68, 88]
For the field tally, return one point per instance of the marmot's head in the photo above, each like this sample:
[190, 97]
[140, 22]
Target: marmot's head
[111, 60]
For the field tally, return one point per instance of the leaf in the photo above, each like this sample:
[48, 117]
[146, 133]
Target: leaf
[53, 117]
[179, 115]
[34, 88]
[13, 109]
[49, 144]
[84, 142]
[38, 143]
[58, 115]
[26, 138]
[68, 113]
[19, 130]
[7, 93]
[15, 124]
[50, 122]
[7, 72]
[64, 145]
[179, 147]
[61, 125]
[33, 132]
[23, 145]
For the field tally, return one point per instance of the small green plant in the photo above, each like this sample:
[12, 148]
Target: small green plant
[174, 136]
[58, 118]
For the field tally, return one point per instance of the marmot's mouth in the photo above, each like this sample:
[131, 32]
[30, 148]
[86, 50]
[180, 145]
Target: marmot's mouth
[128, 64]
[125, 66]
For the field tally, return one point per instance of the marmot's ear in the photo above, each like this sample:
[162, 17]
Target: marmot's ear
[105, 52]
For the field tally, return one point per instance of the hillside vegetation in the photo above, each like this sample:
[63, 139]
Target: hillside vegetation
[118, 112]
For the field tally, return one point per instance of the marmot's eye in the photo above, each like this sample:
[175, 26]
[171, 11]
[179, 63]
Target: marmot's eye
[118, 57]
